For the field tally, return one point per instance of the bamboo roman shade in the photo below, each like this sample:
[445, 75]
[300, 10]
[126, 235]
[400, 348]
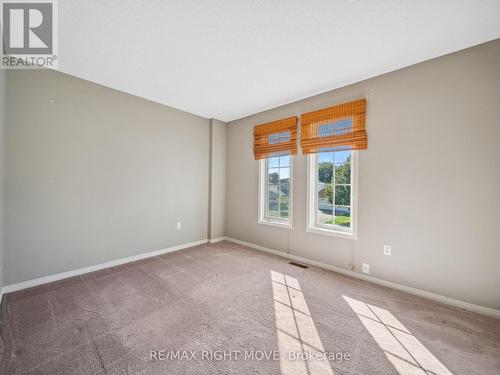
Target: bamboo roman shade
[341, 127]
[275, 137]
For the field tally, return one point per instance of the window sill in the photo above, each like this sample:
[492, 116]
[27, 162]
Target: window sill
[275, 223]
[332, 233]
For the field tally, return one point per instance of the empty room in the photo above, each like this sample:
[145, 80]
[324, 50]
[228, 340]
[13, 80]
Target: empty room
[250, 187]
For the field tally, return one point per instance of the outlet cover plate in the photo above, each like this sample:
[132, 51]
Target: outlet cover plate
[387, 250]
[365, 268]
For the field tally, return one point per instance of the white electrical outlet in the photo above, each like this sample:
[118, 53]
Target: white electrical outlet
[179, 225]
[365, 268]
[387, 250]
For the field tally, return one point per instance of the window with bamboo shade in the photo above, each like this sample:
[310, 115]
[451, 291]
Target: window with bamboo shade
[337, 128]
[275, 138]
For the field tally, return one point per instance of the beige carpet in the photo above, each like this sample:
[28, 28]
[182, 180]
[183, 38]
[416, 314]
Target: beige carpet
[227, 309]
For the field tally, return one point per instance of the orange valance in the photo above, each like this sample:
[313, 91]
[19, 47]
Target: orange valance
[275, 137]
[341, 127]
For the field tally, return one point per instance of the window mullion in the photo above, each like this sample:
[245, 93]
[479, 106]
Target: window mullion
[334, 188]
[315, 189]
[279, 198]
[268, 196]
[279, 188]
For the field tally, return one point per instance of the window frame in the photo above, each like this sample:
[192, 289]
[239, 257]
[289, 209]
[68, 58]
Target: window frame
[335, 231]
[262, 219]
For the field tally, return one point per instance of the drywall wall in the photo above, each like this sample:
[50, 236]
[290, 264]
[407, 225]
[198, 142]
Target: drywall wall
[95, 175]
[217, 203]
[428, 182]
[2, 173]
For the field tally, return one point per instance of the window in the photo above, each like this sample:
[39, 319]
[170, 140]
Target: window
[275, 207]
[332, 193]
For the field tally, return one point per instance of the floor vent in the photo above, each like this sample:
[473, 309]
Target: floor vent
[298, 265]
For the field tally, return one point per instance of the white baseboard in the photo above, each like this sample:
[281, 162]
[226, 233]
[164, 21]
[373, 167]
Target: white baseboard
[417, 292]
[80, 271]
[218, 239]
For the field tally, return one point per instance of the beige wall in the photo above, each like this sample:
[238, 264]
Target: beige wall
[428, 184]
[217, 221]
[97, 175]
[2, 171]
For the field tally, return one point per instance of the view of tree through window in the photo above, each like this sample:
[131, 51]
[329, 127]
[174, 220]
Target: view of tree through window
[278, 187]
[333, 189]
